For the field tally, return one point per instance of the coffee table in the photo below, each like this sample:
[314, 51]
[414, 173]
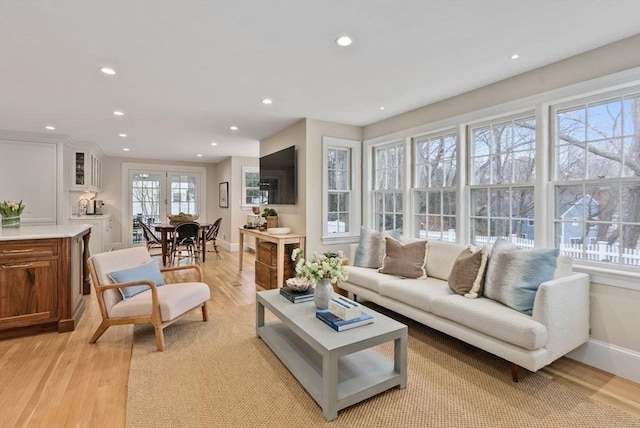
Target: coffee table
[338, 369]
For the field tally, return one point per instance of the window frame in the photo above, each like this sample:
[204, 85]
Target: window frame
[355, 161]
[540, 102]
[246, 169]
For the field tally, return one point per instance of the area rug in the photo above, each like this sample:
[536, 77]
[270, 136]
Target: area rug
[218, 374]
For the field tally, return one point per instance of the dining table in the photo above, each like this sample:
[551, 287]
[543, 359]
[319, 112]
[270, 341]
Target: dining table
[167, 229]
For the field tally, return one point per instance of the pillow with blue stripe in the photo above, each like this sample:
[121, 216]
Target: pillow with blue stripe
[370, 251]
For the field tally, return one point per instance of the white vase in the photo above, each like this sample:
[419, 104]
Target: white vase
[322, 294]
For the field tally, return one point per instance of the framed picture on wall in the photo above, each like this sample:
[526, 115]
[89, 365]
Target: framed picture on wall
[224, 195]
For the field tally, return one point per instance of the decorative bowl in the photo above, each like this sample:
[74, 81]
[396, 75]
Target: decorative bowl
[181, 218]
[279, 230]
[299, 284]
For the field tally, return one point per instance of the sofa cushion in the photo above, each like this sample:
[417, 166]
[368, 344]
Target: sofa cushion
[368, 278]
[174, 300]
[406, 260]
[370, 250]
[441, 257]
[493, 319]
[513, 275]
[418, 293]
[467, 274]
[149, 271]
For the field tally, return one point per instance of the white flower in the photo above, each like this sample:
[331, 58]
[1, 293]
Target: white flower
[320, 266]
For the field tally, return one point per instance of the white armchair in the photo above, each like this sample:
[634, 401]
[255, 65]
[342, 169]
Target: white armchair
[183, 291]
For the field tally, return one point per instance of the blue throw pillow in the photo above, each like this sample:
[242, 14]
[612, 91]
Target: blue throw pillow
[149, 271]
[513, 275]
[370, 251]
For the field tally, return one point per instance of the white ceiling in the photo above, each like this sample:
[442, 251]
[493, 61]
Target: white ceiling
[187, 70]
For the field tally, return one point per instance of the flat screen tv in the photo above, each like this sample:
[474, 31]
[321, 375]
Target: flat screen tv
[278, 177]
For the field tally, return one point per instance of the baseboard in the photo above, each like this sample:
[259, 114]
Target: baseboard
[610, 358]
[231, 247]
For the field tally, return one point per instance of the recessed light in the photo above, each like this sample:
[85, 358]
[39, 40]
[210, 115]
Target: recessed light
[118, 113]
[214, 144]
[122, 135]
[126, 149]
[381, 107]
[107, 70]
[199, 155]
[233, 128]
[50, 128]
[515, 56]
[267, 101]
[344, 41]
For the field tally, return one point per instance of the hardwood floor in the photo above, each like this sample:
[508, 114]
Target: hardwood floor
[60, 380]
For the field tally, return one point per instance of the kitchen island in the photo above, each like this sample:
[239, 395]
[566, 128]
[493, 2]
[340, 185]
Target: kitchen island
[43, 276]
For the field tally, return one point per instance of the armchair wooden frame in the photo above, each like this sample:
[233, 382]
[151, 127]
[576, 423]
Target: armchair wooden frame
[154, 318]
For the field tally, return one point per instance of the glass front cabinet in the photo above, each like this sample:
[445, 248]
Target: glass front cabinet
[86, 171]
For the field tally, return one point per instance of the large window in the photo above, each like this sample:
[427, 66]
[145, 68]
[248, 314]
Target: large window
[250, 186]
[341, 178]
[388, 186]
[597, 178]
[434, 186]
[502, 174]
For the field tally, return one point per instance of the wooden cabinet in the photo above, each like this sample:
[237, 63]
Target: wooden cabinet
[86, 171]
[41, 285]
[267, 264]
[29, 172]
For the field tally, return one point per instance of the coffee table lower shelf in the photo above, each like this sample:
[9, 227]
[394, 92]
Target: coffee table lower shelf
[360, 375]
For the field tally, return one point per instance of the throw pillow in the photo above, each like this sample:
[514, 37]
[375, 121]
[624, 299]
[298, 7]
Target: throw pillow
[148, 271]
[513, 275]
[406, 260]
[370, 251]
[467, 274]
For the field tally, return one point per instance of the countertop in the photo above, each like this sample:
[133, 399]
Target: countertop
[43, 232]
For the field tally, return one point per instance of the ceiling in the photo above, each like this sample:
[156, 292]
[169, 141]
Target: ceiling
[188, 70]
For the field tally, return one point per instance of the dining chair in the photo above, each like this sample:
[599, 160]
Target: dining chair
[132, 289]
[186, 237]
[151, 238]
[212, 235]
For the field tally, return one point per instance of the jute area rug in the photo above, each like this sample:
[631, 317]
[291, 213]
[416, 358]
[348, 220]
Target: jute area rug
[218, 374]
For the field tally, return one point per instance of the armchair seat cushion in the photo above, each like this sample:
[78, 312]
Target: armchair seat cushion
[174, 300]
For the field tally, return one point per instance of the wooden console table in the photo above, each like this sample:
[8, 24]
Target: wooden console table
[280, 240]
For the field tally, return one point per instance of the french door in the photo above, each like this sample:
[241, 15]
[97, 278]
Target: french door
[155, 194]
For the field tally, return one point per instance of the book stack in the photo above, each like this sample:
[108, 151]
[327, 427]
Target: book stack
[344, 308]
[338, 324]
[295, 296]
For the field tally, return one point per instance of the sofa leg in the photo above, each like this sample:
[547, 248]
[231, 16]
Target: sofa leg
[355, 298]
[514, 372]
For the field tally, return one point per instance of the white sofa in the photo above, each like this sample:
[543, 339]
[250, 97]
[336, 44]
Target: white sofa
[559, 322]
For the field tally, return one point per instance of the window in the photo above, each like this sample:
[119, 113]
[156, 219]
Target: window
[434, 186]
[597, 178]
[341, 181]
[183, 194]
[388, 173]
[502, 174]
[250, 186]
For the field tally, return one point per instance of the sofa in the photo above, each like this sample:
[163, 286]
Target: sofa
[559, 320]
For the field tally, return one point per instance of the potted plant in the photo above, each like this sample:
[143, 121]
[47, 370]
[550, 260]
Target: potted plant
[271, 216]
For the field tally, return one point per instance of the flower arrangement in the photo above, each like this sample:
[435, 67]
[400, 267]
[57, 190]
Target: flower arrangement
[11, 208]
[320, 266]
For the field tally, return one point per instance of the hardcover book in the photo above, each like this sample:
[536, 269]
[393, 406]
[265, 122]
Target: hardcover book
[338, 324]
[297, 296]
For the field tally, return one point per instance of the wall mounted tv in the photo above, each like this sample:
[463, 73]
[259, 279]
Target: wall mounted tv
[278, 177]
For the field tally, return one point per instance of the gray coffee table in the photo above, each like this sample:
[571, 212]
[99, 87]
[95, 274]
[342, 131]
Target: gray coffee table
[338, 369]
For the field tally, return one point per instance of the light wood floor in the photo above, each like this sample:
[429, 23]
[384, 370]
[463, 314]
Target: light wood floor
[60, 380]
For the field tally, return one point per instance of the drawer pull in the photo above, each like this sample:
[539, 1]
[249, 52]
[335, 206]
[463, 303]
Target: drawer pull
[28, 250]
[19, 265]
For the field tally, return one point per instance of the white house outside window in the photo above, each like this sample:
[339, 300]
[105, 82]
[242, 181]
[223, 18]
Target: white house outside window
[341, 178]
[434, 186]
[502, 174]
[597, 178]
[388, 175]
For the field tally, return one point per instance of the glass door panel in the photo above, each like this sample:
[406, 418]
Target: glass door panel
[147, 202]
[184, 193]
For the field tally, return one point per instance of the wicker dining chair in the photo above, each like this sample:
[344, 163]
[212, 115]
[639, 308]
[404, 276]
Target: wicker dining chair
[212, 235]
[186, 237]
[151, 238]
